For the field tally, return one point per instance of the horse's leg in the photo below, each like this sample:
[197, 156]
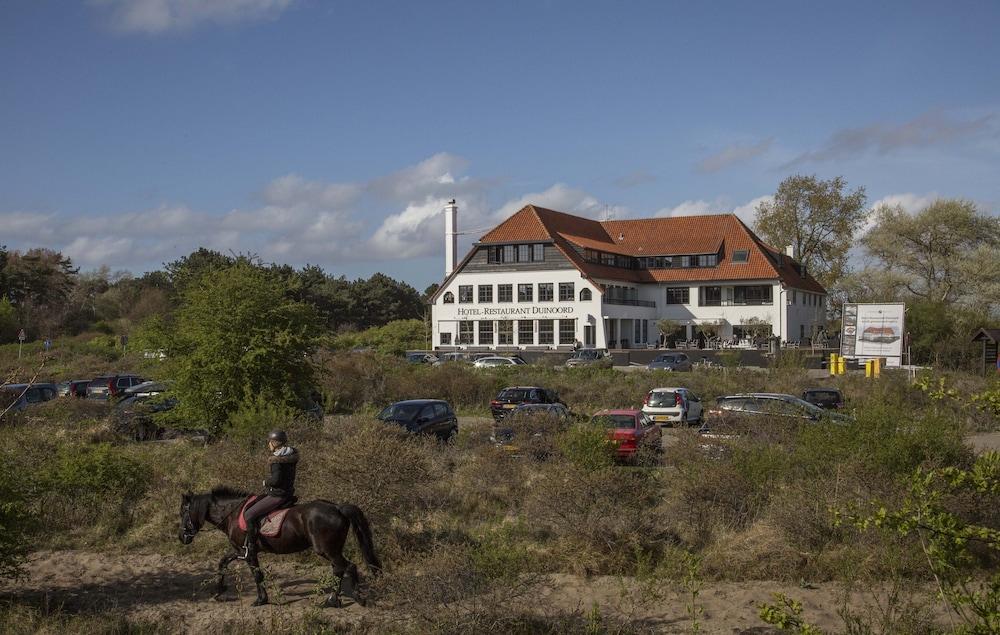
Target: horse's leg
[350, 584]
[220, 587]
[339, 567]
[258, 578]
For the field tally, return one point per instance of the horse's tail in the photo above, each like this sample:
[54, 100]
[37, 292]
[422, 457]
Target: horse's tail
[363, 534]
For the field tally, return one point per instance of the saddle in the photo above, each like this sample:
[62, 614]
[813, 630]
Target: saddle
[270, 527]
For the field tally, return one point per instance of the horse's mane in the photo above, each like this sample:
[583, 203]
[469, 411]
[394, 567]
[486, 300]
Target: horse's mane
[224, 491]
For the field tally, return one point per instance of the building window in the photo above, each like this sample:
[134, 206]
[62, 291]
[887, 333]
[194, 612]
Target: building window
[567, 331]
[566, 292]
[505, 293]
[754, 294]
[523, 253]
[678, 295]
[637, 331]
[524, 292]
[741, 255]
[546, 332]
[545, 292]
[445, 339]
[509, 253]
[494, 255]
[711, 296]
[708, 260]
[485, 293]
[538, 252]
[449, 297]
[486, 332]
[586, 295]
[794, 296]
[645, 331]
[525, 332]
[465, 332]
[465, 294]
[505, 333]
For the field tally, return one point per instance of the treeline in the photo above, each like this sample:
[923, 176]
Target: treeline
[42, 292]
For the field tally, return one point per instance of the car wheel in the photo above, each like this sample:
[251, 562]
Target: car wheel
[452, 436]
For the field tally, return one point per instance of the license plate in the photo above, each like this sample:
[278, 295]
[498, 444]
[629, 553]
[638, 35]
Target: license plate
[508, 406]
[661, 418]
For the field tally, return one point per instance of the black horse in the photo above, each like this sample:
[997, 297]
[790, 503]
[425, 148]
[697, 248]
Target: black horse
[320, 525]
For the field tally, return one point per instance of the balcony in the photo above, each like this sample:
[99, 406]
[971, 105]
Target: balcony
[630, 302]
[765, 302]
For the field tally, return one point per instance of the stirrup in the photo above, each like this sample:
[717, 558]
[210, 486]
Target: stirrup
[244, 553]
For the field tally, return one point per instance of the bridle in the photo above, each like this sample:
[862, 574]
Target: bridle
[189, 529]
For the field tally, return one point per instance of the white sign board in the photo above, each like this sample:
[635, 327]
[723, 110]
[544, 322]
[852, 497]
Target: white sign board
[873, 330]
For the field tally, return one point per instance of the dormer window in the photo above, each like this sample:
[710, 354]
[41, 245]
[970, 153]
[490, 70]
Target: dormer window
[741, 255]
[449, 297]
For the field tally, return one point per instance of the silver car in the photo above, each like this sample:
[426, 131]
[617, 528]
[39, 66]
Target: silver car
[667, 406]
[671, 362]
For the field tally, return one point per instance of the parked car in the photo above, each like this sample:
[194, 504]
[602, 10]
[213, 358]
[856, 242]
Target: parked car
[771, 406]
[671, 362]
[493, 362]
[73, 388]
[19, 396]
[667, 406]
[598, 357]
[421, 358]
[453, 357]
[145, 389]
[531, 428]
[828, 398]
[629, 429]
[423, 416]
[510, 398]
[111, 386]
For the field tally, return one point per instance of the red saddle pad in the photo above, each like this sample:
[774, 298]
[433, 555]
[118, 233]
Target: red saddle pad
[271, 525]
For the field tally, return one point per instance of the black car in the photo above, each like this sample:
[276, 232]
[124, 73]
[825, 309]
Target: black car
[525, 414]
[510, 398]
[17, 397]
[773, 406]
[828, 398]
[423, 416]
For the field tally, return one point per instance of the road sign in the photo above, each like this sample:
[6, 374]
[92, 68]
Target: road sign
[21, 335]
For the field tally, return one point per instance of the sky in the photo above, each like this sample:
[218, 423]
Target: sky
[332, 133]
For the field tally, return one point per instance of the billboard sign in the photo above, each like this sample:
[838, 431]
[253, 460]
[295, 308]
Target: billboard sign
[873, 330]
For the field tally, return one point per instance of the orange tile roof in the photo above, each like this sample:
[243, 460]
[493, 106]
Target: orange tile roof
[681, 235]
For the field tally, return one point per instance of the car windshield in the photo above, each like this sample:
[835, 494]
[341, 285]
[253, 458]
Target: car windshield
[515, 394]
[824, 396]
[662, 399]
[668, 359]
[614, 421]
[588, 354]
[400, 412]
[415, 357]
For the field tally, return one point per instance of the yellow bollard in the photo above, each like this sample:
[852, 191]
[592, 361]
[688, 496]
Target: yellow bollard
[877, 366]
[841, 365]
[832, 364]
[869, 368]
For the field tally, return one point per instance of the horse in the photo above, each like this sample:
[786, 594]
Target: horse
[320, 525]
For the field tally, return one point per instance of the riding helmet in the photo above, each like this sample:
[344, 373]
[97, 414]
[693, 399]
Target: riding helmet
[278, 435]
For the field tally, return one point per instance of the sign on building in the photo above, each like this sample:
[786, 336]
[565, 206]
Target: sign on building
[873, 330]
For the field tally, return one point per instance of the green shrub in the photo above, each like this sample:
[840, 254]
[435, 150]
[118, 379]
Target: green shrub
[586, 446]
[16, 523]
[251, 422]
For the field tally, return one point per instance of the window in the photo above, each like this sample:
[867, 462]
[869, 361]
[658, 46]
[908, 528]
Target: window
[465, 294]
[445, 339]
[545, 292]
[505, 293]
[449, 297]
[486, 332]
[566, 292]
[567, 331]
[645, 331]
[546, 332]
[794, 296]
[709, 260]
[637, 331]
[538, 252]
[755, 294]
[494, 254]
[741, 255]
[485, 293]
[525, 332]
[678, 295]
[505, 332]
[711, 296]
[685, 261]
[586, 295]
[524, 292]
[465, 332]
[509, 253]
[523, 253]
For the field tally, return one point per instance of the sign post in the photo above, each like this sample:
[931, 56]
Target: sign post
[21, 336]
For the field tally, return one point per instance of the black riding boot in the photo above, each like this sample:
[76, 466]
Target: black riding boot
[250, 542]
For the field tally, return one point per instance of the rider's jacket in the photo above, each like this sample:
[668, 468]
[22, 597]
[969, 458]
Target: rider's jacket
[281, 481]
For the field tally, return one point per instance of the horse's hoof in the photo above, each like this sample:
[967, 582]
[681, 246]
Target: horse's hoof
[332, 603]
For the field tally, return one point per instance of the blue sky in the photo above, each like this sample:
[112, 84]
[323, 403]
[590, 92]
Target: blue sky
[134, 131]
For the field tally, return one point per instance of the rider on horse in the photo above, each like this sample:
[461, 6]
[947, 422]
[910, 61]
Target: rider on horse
[279, 487]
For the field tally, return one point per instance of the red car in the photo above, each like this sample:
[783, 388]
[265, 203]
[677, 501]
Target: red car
[628, 430]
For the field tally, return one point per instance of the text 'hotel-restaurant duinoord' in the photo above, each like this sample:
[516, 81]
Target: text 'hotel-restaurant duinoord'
[544, 279]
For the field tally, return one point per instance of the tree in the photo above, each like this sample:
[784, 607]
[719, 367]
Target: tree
[236, 337]
[947, 252]
[818, 218]
[188, 269]
[37, 282]
[380, 300]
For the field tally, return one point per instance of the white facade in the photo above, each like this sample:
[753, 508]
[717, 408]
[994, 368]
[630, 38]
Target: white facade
[793, 314]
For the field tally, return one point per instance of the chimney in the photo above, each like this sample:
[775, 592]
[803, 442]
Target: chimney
[450, 236]
[790, 251]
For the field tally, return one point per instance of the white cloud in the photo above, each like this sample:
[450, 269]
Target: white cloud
[733, 154]
[158, 16]
[744, 211]
[911, 203]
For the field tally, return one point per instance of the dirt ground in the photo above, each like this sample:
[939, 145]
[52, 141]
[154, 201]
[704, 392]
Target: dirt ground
[175, 592]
